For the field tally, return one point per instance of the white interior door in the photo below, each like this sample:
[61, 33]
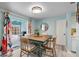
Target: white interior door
[61, 32]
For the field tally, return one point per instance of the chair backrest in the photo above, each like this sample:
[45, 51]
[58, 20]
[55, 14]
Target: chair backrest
[24, 42]
[54, 42]
[51, 42]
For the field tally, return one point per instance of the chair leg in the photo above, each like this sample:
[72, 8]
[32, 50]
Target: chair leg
[28, 53]
[45, 51]
[21, 54]
[54, 52]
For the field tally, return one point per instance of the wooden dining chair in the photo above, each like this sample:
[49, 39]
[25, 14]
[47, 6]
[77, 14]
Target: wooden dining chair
[50, 46]
[26, 47]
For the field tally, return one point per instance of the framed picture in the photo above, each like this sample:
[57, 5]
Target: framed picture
[73, 31]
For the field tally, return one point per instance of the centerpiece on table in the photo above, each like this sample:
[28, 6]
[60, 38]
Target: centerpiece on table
[36, 32]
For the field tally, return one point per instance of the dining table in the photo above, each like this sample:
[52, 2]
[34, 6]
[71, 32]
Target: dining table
[39, 41]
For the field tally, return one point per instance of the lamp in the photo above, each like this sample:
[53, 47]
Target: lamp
[36, 9]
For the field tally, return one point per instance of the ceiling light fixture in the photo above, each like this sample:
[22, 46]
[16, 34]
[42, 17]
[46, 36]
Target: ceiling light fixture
[36, 9]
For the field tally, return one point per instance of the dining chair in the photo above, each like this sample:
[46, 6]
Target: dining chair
[50, 46]
[26, 47]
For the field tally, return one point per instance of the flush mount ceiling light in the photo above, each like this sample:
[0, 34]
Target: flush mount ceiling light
[36, 9]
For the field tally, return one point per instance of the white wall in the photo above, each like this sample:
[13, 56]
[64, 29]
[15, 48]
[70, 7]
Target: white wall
[51, 26]
[51, 23]
[77, 27]
[71, 23]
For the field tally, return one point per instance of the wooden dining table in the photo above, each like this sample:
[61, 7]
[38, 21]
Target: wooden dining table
[38, 41]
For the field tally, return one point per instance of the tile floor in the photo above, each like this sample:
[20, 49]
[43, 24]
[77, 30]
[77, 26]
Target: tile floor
[60, 52]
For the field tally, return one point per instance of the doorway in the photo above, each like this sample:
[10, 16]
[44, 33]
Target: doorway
[61, 32]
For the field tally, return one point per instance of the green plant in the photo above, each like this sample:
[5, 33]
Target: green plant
[36, 31]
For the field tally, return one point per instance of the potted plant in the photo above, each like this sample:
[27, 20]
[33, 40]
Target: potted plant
[36, 32]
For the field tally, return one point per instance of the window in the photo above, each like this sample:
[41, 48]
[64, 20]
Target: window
[15, 30]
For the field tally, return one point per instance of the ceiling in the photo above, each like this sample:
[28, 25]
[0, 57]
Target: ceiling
[50, 9]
